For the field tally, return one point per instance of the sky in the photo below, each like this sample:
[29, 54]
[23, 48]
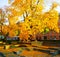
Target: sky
[48, 3]
[3, 3]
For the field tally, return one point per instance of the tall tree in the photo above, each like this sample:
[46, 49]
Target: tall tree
[34, 20]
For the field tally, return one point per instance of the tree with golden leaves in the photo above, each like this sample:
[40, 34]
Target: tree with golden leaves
[34, 20]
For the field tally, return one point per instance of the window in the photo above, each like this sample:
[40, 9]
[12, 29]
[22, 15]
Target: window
[52, 37]
[59, 36]
[38, 38]
[44, 37]
[8, 38]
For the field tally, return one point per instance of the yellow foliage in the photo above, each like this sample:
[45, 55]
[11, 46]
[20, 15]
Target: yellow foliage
[54, 5]
[34, 20]
[13, 20]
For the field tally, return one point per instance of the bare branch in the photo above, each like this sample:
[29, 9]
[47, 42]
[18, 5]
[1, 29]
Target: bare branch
[37, 2]
[24, 16]
[26, 13]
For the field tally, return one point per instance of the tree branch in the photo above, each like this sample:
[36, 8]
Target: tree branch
[37, 2]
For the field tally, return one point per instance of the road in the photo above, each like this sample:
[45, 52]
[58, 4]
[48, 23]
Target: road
[30, 50]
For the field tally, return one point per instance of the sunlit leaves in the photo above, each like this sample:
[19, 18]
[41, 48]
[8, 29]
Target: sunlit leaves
[34, 20]
[54, 5]
[13, 20]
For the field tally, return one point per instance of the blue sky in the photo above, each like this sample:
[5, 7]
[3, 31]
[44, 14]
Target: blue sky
[47, 4]
[3, 3]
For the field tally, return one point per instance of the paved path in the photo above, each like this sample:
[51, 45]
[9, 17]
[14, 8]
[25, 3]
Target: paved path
[27, 50]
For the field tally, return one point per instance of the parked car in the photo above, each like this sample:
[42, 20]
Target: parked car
[1, 37]
[10, 40]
